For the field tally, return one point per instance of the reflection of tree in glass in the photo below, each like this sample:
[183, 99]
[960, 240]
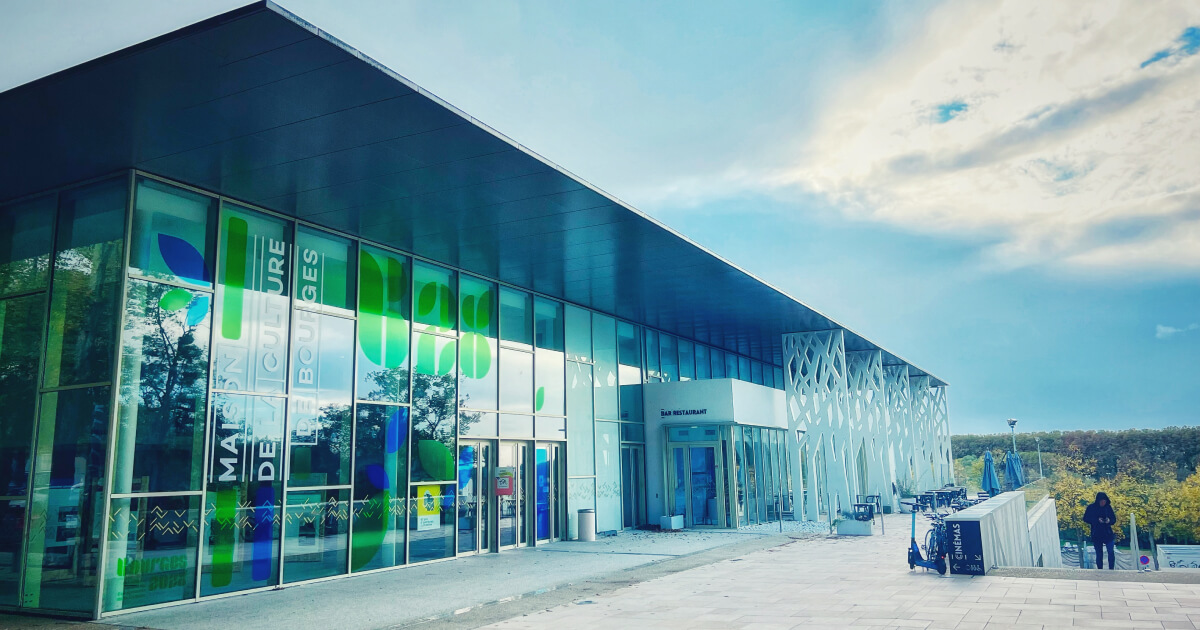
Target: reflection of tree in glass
[21, 323]
[389, 385]
[433, 414]
[87, 285]
[165, 369]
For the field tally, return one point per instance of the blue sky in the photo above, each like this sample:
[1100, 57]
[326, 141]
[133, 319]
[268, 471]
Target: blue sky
[1006, 193]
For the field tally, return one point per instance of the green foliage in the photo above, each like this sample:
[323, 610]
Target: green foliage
[1152, 474]
[1178, 447]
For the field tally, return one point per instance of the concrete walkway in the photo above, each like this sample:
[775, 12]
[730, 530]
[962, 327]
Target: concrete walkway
[866, 583]
[452, 589]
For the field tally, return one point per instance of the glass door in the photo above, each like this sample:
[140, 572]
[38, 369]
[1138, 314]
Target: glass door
[695, 493]
[543, 512]
[475, 497]
[633, 486]
[703, 508]
[512, 484]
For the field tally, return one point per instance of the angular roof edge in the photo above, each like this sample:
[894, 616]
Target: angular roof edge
[861, 342]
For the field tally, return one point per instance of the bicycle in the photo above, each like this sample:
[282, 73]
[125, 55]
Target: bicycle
[936, 545]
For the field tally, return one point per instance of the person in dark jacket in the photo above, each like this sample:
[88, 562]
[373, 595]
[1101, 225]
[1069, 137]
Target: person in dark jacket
[1101, 517]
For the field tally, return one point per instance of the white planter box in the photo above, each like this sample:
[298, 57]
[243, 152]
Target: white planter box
[671, 522]
[851, 527]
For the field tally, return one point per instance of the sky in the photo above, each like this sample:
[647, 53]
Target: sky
[1006, 193]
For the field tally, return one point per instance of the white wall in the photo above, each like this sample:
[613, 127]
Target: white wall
[1003, 529]
[1043, 534]
[714, 401]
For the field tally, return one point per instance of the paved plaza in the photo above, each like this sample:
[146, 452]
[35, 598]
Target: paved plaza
[696, 579]
[864, 583]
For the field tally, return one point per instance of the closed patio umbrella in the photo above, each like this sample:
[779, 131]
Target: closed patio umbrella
[990, 483]
[1013, 471]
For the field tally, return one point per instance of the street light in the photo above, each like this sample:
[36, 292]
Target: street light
[1037, 440]
[1012, 424]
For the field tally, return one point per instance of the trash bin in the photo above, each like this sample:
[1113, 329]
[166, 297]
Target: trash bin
[587, 525]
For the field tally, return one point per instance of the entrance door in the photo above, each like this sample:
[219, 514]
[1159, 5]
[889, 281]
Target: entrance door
[549, 479]
[513, 462]
[695, 470]
[474, 497]
[633, 486]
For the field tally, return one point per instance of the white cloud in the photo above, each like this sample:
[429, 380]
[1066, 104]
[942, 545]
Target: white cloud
[1166, 332]
[1030, 123]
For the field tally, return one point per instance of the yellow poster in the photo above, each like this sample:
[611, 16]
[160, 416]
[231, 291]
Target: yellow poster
[429, 507]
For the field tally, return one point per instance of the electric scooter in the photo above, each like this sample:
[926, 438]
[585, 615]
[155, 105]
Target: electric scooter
[937, 559]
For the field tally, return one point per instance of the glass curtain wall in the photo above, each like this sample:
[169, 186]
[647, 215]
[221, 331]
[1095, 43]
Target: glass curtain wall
[273, 391]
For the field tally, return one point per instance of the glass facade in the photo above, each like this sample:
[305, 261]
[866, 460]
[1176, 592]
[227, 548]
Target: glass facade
[275, 403]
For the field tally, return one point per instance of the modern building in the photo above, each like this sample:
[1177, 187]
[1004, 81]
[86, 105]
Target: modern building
[271, 313]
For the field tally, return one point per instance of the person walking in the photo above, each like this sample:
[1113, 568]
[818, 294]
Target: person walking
[1101, 517]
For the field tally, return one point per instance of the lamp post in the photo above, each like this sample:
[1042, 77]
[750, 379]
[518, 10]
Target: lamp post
[1038, 441]
[1012, 425]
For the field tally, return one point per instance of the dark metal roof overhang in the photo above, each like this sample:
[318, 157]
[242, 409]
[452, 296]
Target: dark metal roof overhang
[259, 105]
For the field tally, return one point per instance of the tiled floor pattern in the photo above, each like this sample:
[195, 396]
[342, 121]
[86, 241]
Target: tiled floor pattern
[865, 583]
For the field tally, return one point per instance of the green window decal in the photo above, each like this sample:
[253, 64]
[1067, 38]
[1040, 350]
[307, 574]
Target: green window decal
[383, 326]
[437, 309]
[250, 351]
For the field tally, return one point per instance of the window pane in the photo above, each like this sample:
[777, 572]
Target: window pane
[731, 365]
[703, 368]
[315, 526]
[608, 476]
[26, 230]
[579, 334]
[516, 317]
[779, 384]
[65, 520]
[633, 432]
[768, 376]
[629, 348]
[383, 322]
[324, 271]
[164, 382]
[744, 372]
[250, 346]
[434, 409]
[478, 312]
[516, 380]
[21, 324]
[629, 372]
[512, 425]
[431, 524]
[652, 368]
[320, 420]
[88, 267]
[548, 324]
[631, 394]
[477, 371]
[668, 357]
[756, 374]
[380, 483]
[151, 551]
[433, 290]
[718, 364]
[604, 339]
[580, 440]
[242, 505]
[548, 428]
[478, 374]
[550, 395]
[687, 361]
[172, 233]
[477, 424]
